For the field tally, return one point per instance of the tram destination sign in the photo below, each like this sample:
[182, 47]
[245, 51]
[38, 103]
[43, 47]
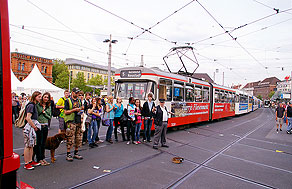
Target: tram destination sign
[131, 73]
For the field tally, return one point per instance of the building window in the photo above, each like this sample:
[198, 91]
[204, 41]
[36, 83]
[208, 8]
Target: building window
[19, 66]
[88, 76]
[42, 68]
[20, 78]
[46, 69]
[22, 67]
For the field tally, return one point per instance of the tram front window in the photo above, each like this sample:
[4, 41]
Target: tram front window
[132, 89]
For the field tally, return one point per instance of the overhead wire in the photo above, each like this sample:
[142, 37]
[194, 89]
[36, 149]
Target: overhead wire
[68, 42]
[232, 36]
[51, 16]
[130, 22]
[277, 10]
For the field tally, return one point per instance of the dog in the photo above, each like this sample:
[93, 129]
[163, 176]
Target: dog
[52, 143]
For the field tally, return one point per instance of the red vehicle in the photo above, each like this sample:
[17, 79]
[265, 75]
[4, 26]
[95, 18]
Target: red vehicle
[9, 161]
[191, 100]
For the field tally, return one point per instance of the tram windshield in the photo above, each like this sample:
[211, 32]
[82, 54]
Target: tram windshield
[127, 89]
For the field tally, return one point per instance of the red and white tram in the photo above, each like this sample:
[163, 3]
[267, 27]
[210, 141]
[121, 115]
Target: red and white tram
[191, 100]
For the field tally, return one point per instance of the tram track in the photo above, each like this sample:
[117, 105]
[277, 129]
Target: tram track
[205, 162]
[115, 171]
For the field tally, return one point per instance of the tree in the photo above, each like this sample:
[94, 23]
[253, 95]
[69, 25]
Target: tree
[97, 80]
[79, 82]
[62, 80]
[271, 94]
[260, 97]
[58, 67]
[112, 82]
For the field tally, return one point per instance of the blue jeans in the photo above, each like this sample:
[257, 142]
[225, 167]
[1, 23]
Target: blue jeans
[289, 123]
[92, 126]
[147, 129]
[110, 130]
[137, 131]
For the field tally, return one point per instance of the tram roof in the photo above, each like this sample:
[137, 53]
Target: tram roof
[159, 73]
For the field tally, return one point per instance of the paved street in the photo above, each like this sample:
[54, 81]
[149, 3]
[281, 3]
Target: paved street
[239, 152]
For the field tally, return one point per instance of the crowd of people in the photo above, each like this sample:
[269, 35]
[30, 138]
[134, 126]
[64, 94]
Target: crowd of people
[284, 115]
[80, 118]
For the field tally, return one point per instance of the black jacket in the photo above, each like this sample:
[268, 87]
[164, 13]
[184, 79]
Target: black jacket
[158, 116]
[145, 110]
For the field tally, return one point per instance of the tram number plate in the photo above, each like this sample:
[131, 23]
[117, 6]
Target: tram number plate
[131, 73]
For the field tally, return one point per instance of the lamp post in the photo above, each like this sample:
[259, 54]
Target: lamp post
[110, 41]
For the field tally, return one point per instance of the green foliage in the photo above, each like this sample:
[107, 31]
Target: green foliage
[112, 82]
[97, 80]
[79, 82]
[58, 67]
[62, 80]
[271, 94]
[260, 97]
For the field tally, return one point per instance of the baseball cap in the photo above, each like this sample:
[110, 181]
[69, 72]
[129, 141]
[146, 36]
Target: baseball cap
[75, 90]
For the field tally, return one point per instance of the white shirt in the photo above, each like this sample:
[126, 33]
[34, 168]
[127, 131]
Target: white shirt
[165, 114]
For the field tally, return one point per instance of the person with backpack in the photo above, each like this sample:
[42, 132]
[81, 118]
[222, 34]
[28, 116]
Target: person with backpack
[60, 105]
[44, 115]
[148, 117]
[160, 115]
[73, 111]
[29, 131]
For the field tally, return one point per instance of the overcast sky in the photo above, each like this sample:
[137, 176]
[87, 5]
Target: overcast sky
[76, 29]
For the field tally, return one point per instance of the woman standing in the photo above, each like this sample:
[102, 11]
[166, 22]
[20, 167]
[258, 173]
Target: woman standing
[138, 121]
[44, 115]
[100, 111]
[93, 110]
[119, 108]
[111, 114]
[30, 129]
[131, 120]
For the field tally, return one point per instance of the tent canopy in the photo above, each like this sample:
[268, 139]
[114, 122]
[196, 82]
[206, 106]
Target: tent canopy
[15, 83]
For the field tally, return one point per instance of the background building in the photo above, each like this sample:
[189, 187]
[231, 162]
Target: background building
[284, 86]
[266, 86]
[90, 70]
[22, 64]
[249, 87]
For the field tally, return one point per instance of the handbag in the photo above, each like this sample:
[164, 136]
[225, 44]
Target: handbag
[105, 120]
[123, 117]
[88, 118]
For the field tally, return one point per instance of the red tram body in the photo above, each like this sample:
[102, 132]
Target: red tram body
[10, 161]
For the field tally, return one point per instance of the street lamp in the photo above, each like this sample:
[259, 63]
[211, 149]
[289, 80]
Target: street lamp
[110, 41]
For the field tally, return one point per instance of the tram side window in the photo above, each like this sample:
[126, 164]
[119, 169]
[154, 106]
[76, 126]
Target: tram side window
[198, 93]
[178, 93]
[221, 98]
[206, 94]
[165, 89]
[190, 97]
[217, 96]
[236, 98]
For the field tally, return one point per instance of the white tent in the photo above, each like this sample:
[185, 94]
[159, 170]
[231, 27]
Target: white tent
[15, 83]
[35, 81]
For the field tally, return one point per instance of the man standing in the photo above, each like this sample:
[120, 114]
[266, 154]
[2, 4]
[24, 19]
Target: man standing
[148, 117]
[280, 116]
[289, 117]
[86, 104]
[160, 115]
[72, 118]
[15, 102]
[61, 104]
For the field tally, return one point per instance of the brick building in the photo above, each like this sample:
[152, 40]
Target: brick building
[22, 64]
[266, 86]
